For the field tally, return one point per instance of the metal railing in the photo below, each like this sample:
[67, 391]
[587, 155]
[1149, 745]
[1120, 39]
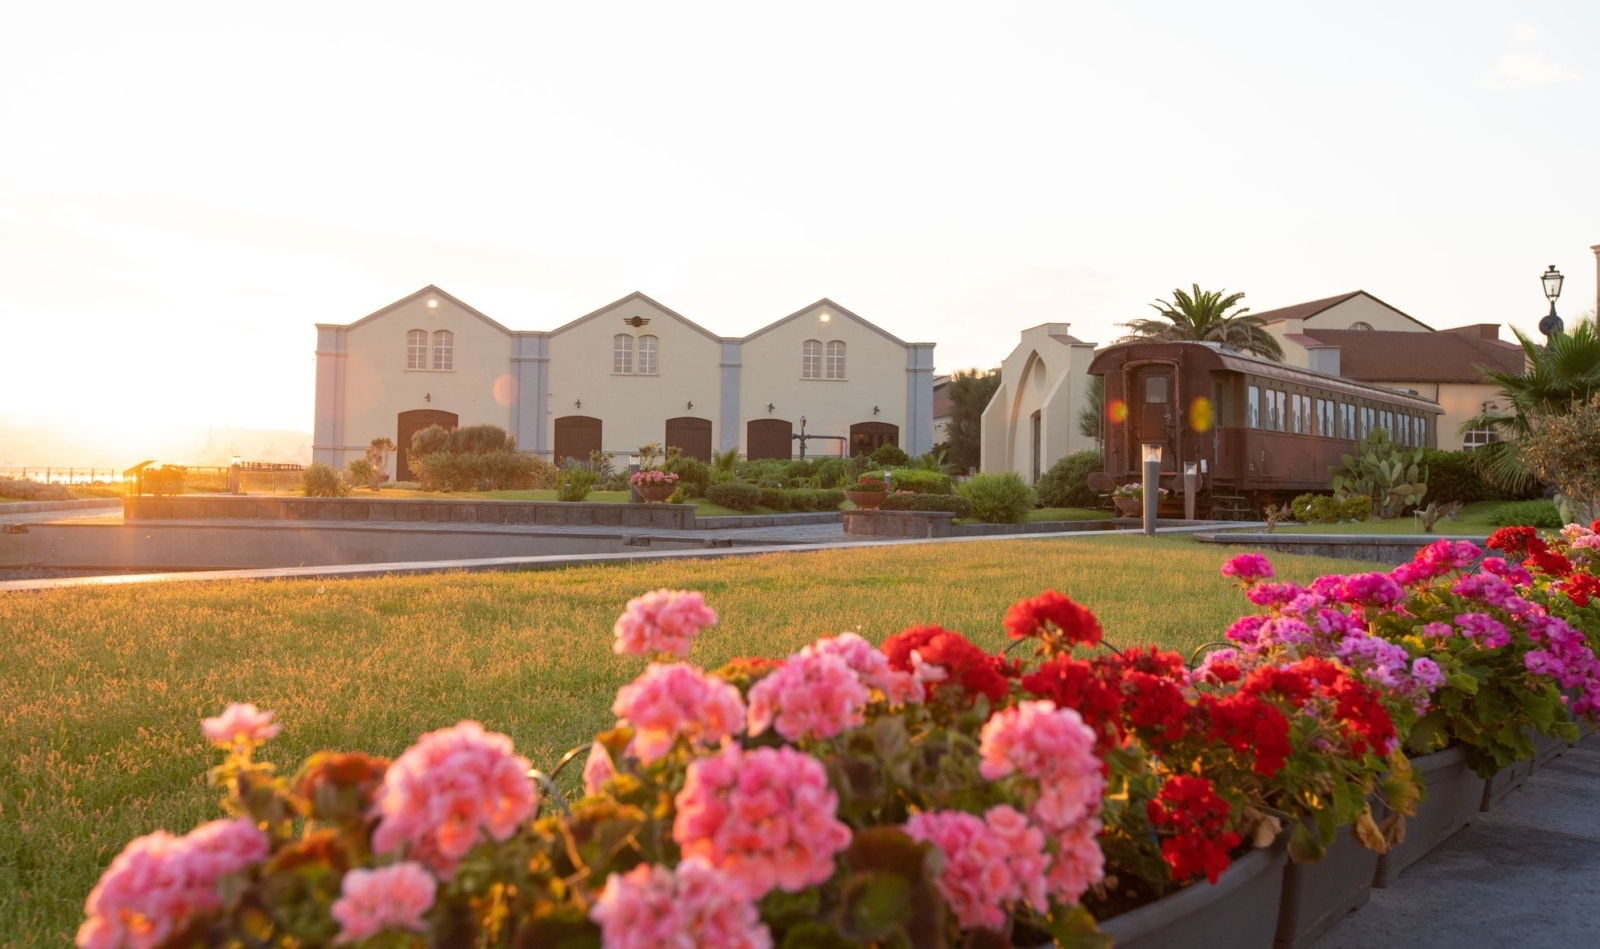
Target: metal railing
[61, 474]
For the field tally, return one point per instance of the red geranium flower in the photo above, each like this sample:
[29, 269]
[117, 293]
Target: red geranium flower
[966, 667]
[1076, 684]
[1513, 540]
[1029, 618]
[1189, 810]
[1548, 561]
[1580, 587]
[1251, 727]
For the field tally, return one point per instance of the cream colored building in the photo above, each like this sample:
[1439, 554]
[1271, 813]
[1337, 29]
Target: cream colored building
[629, 373]
[1032, 420]
[1359, 337]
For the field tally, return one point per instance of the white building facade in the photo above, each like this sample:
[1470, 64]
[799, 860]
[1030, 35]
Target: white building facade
[1032, 420]
[627, 374]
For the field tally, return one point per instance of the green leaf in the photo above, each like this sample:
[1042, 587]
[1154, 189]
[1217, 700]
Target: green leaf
[1463, 682]
[1349, 802]
[1304, 847]
[1074, 928]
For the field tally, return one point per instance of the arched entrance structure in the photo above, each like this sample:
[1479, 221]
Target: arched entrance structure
[411, 423]
[576, 437]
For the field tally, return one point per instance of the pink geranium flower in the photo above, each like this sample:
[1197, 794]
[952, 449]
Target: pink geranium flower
[239, 723]
[392, 897]
[447, 792]
[991, 863]
[1052, 747]
[159, 882]
[672, 701]
[662, 623]
[653, 906]
[871, 665]
[1248, 568]
[815, 695]
[766, 818]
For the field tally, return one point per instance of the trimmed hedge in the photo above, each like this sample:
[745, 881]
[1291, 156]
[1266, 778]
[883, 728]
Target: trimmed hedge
[1066, 484]
[735, 495]
[1327, 509]
[489, 471]
[953, 503]
[323, 481]
[889, 456]
[28, 490]
[920, 480]
[1530, 513]
[694, 475]
[998, 498]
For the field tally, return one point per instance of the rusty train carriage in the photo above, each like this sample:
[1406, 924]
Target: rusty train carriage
[1259, 430]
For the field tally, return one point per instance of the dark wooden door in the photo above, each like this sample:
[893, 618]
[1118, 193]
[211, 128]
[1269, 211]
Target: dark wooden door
[691, 436]
[865, 437]
[576, 437]
[1153, 413]
[411, 423]
[769, 438]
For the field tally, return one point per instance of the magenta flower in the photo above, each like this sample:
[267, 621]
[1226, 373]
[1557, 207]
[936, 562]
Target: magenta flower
[240, 723]
[1248, 568]
[392, 897]
[1488, 631]
[766, 818]
[694, 905]
[662, 623]
[815, 695]
[159, 882]
[449, 791]
[675, 701]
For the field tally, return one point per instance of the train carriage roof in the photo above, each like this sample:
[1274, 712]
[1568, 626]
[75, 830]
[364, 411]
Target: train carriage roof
[1215, 356]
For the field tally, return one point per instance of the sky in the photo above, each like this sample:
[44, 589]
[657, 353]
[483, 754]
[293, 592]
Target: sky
[186, 189]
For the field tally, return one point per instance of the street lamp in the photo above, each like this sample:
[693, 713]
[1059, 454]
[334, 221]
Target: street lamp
[1152, 488]
[1551, 324]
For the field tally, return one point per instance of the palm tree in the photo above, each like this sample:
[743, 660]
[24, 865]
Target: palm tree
[1206, 316]
[1560, 375]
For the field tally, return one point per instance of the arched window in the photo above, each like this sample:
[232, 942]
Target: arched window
[444, 349]
[417, 349]
[647, 355]
[835, 359]
[1361, 325]
[622, 354]
[811, 359]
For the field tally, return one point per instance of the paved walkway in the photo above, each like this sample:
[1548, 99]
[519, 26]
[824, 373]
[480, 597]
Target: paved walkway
[1527, 874]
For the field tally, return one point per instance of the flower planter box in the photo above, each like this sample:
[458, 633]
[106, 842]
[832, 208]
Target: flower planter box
[1499, 787]
[1545, 750]
[1454, 794]
[1129, 507]
[655, 493]
[1240, 911]
[1318, 895]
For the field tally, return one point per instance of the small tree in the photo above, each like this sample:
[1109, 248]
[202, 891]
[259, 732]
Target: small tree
[969, 392]
[1092, 417]
[1564, 452]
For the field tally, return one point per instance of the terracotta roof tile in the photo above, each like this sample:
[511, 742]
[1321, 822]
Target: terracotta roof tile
[1305, 311]
[1389, 356]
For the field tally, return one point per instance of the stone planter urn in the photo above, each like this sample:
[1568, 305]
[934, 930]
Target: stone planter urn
[865, 500]
[1239, 911]
[1129, 507]
[655, 493]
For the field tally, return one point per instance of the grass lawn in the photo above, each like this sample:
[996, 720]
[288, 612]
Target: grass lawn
[1473, 522]
[101, 690]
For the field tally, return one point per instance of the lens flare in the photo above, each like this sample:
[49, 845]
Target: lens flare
[1117, 411]
[1202, 414]
[505, 389]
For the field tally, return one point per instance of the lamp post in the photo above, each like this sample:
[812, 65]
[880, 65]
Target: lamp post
[1191, 486]
[1551, 324]
[1152, 487]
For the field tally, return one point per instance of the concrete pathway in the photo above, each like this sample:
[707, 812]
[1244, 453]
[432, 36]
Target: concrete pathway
[1527, 874]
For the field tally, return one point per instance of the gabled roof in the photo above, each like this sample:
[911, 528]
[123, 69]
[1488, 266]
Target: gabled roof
[1305, 311]
[835, 308]
[636, 297]
[429, 290]
[1396, 356]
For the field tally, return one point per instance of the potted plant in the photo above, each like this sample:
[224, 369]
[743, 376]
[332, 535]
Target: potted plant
[867, 493]
[654, 485]
[1129, 498]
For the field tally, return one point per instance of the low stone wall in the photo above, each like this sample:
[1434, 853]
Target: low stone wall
[735, 521]
[35, 507]
[402, 510]
[1373, 548]
[1045, 527]
[898, 523]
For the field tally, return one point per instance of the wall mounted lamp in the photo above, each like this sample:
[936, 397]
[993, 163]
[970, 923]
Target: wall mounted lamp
[689, 404]
[427, 396]
[875, 410]
[770, 407]
[578, 404]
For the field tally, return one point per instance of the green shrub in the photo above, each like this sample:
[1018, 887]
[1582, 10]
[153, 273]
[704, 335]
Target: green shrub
[998, 497]
[1356, 509]
[919, 480]
[953, 503]
[1066, 484]
[573, 482]
[694, 475]
[890, 456]
[800, 470]
[167, 479]
[23, 489]
[429, 441]
[776, 499]
[734, 494]
[1529, 513]
[490, 471]
[680, 495]
[763, 469]
[1452, 476]
[323, 481]
[359, 471]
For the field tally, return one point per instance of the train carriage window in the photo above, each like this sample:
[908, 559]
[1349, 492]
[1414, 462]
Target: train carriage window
[1305, 415]
[1422, 432]
[1294, 413]
[1269, 407]
[1155, 390]
[1254, 407]
[1405, 431]
[1283, 410]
